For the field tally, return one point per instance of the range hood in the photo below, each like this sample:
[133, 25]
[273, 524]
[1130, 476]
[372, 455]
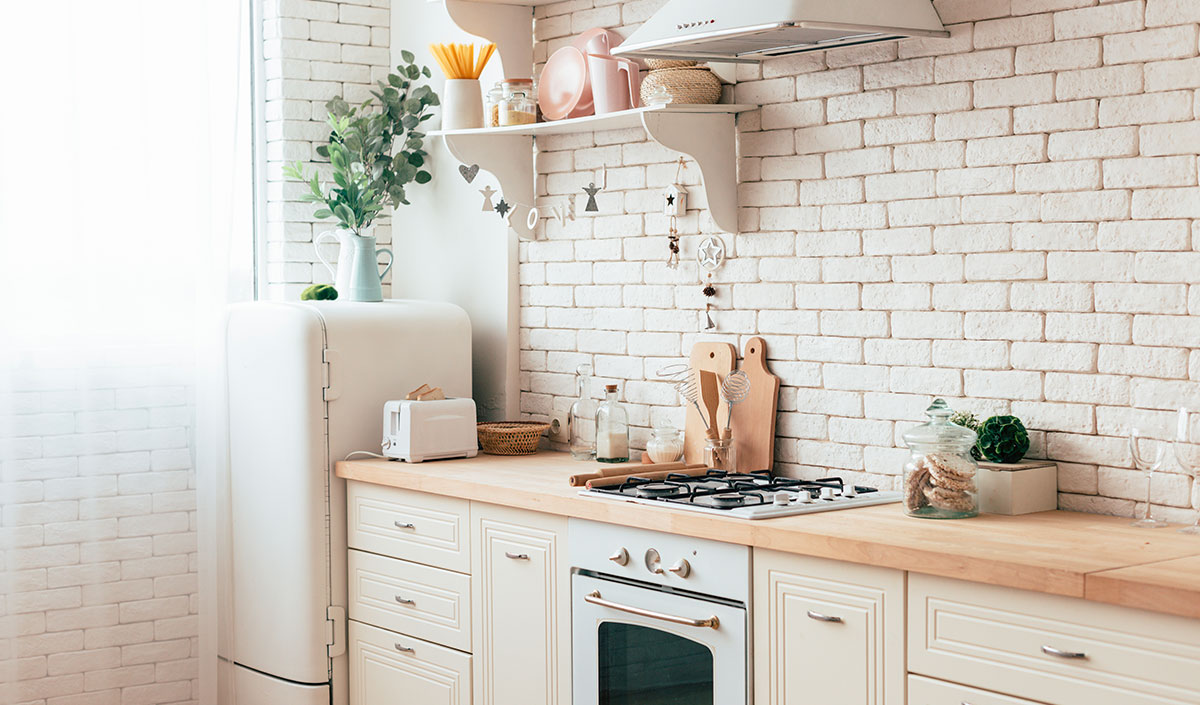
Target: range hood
[756, 30]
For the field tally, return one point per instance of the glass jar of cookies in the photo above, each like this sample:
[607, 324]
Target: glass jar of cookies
[939, 479]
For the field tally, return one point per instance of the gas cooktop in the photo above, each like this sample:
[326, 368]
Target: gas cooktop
[756, 495]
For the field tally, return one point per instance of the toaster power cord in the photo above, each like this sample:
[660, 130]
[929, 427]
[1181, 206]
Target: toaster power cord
[367, 453]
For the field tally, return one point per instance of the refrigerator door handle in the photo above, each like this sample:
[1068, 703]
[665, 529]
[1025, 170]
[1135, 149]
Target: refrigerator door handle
[336, 616]
[331, 391]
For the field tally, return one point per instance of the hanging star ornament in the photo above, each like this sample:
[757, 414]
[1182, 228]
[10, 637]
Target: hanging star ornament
[711, 253]
[503, 208]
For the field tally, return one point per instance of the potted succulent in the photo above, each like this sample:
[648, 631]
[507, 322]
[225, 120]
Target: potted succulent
[366, 175]
[1008, 485]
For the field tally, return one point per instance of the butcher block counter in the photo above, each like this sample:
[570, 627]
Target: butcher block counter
[1089, 556]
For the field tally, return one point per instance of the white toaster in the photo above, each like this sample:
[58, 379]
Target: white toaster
[415, 431]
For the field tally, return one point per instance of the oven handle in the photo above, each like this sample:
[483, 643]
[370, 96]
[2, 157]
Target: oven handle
[595, 599]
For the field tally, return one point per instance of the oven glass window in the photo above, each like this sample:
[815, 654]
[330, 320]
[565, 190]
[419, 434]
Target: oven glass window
[644, 666]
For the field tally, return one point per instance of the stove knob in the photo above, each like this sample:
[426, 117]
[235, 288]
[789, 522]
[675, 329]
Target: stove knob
[653, 561]
[849, 491]
[681, 568]
[803, 497]
[621, 557]
[782, 499]
[828, 493]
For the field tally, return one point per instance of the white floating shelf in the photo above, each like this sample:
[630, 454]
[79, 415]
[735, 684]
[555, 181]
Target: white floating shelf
[706, 133]
[594, 123]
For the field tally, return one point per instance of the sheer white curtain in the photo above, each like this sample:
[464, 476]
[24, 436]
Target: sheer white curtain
[125, 227]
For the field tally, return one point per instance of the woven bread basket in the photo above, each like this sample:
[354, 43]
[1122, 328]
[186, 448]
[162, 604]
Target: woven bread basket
[510, 437]
[686, 86]
[655, 64]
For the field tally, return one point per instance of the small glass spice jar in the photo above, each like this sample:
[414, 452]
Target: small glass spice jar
[939, 478]
[492, 106]
[665, 445]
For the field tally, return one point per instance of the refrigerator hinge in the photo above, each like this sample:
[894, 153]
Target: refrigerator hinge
[330, 391]
[335, 616]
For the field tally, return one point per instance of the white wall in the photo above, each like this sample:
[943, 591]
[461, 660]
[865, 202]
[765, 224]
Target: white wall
[448, 248]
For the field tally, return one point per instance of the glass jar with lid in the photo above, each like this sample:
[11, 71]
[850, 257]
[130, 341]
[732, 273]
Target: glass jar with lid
[665, 445]
[612, 429]
[939, 478]
[493, 105]
[517, 109]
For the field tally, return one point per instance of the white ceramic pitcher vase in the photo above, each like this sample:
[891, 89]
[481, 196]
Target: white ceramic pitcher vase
[357, 277]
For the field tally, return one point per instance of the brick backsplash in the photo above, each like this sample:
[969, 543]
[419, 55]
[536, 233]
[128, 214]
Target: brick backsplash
[1008, 218]
[313, 50]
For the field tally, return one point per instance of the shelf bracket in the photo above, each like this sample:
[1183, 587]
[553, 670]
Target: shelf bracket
[509, 27]
[509, 158]
[710, 140]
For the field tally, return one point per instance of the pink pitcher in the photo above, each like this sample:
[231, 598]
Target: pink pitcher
[611, 91]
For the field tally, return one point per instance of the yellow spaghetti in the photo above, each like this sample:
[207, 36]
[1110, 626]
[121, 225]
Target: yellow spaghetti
[459, 60]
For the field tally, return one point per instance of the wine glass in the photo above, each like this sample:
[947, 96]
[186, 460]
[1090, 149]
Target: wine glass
[1188, 456]
[1148, 466]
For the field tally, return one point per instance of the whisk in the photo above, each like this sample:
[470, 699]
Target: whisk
[686, 383]
[734, 389]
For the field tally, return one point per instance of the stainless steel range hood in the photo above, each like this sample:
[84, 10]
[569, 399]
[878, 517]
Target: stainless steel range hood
[755, 30]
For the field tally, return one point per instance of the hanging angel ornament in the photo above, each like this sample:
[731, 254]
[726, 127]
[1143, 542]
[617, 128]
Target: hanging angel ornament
[487, 198]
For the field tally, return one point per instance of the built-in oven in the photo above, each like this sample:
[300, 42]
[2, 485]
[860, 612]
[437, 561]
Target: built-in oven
[644, 629]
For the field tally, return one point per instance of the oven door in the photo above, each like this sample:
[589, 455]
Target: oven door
[641, 646]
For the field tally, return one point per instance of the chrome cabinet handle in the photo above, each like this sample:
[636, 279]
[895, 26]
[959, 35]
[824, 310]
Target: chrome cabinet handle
[1051, 651]
[595, 599]
[823, 617]
[405, 649]
[403, 525]
[405, 600]
[517, 556]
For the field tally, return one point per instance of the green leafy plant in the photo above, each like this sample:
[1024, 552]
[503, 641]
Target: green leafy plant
[1003, 439]
[367, 176]
[319, 292]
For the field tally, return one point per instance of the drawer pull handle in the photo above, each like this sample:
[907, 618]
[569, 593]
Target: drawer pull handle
[405, 649]
[595, 599]
[1051, 651]
[405, 600]
[403, 525]
[823, 617]
[516, 556]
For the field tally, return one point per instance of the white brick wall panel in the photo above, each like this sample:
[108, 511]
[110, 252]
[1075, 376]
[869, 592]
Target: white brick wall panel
[974, 354]
[1177, 138]
[1010, 384]
[1170, 106]
[828, 348]
[912, 353]
[898, 130]
[826, 244]
[1143, 361]
[856, 269]
[1002, 325]
[1014, 31]
[1089, 144]
[1058, 56]
[1163, 43]
[1006, 150]
[1166, 203]
[926, 380]
[992, 208]
[1087, 388]
[1099, 20]
[975, 296]
[1056, 117]
[925, 325]
[1166, 330]
[1170, 75]
[1150, 172]
[1100, 205]
[1081, 175]
[898, 241]
[1142, 298]
[931, 155]
[991, 122]
[1099, 82]
[1089, 327]
[938, 99]
[1054, 236]
[930, 211]
[863, 54]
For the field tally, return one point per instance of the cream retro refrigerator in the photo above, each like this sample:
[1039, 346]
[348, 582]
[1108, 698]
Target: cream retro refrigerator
[307, 385]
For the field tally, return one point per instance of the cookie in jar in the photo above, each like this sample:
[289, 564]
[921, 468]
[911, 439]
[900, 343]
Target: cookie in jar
[939, 478]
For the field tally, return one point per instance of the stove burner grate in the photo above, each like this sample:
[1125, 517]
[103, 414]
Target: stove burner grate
[722, 490]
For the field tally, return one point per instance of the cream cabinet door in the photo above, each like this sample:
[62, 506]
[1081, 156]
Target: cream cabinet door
[388, 668]
[520, 607]
[847, 619]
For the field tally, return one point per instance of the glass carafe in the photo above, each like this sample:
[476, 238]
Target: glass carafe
[612, 429]
[939, 479]
[582, 421]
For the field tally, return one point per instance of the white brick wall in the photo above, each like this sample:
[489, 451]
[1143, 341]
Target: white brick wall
[314, 50]
[99, 536]
[1009, 217]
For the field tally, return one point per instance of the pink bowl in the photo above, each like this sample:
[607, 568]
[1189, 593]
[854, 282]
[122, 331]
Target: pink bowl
[564, 90]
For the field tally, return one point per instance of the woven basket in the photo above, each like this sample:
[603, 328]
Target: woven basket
[510, 437]
[687, 86]
[654, 64]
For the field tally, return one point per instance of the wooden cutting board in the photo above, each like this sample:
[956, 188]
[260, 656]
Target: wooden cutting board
[754, 418]
[713, 357]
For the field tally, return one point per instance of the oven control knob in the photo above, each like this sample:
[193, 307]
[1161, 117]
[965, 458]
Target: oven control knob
[681, 568]
[828, 493]
[849, 491]
[653, 561]
[803, 497]
[782, 499]
[621, 557]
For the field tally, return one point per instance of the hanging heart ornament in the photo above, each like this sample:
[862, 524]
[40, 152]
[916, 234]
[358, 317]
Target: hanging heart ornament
[468, 172]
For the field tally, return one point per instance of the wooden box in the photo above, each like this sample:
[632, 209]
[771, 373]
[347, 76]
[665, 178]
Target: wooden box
[1019, 488]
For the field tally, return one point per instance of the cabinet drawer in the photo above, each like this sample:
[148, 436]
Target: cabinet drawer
[413, 526]
[428, 603]
[926, 691]
[390, 668]
[1054, 649]
[850, 618]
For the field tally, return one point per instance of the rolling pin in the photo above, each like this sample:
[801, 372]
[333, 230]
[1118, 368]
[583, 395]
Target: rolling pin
[624, 470]
[614, 480]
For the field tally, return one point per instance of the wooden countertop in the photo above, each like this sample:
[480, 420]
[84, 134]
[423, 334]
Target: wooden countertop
[1090, 556]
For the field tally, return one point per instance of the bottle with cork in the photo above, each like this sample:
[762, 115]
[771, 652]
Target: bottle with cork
[612, 429]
